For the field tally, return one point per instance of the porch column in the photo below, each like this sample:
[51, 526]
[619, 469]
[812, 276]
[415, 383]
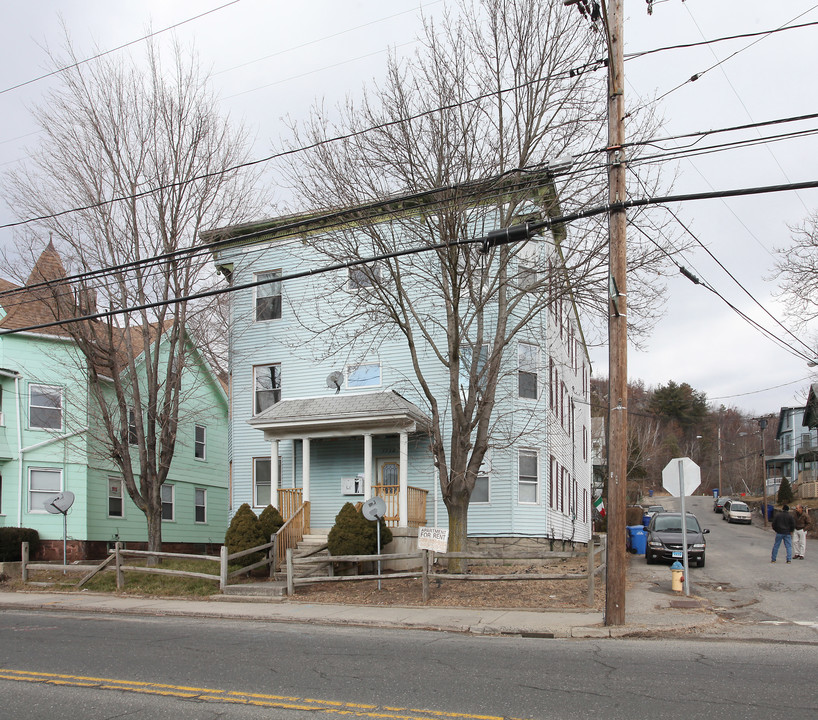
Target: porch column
[274, 479]
[403, 481]
[305, 469]
[367, 466]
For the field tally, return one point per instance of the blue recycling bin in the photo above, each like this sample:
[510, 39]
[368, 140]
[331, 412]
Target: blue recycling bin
[637, 539]
[715, 492]
[770, 511]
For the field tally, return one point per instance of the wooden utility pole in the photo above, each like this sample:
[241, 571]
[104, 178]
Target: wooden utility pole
[617, 325]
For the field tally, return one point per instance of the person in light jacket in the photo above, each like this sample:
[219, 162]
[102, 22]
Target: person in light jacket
[803, 522]
[783, 524]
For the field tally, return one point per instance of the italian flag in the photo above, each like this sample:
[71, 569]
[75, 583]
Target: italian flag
[600, 506]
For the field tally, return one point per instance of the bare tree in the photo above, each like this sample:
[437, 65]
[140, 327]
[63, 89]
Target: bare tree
[142, 149]
[465, 136]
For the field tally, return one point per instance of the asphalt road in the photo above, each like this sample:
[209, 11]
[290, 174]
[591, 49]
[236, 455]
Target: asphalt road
[59, 665]
[738, 577]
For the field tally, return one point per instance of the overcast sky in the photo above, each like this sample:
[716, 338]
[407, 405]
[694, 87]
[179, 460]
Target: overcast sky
[271, 59]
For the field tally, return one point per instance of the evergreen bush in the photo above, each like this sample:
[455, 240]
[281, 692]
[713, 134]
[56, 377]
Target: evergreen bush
[244, 533]
[353, 534]
[11, 543]
[785, 494]
[271, 522]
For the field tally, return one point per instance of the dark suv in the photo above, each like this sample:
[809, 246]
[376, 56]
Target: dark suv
[664, 541]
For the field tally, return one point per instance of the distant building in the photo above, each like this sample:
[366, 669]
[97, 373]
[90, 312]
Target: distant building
[797, 450]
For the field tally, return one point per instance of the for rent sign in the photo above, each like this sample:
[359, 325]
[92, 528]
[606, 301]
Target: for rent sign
[431, 538]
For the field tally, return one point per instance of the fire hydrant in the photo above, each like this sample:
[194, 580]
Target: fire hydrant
[678, 576]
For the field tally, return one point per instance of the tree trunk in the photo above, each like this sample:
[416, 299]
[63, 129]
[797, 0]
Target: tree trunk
[458, 510]
[154, 519]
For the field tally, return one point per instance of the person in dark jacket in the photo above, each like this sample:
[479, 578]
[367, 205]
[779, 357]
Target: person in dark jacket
[783, 524]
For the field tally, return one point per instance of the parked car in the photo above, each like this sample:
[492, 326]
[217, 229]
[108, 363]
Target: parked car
[718, 504]
[664, 541]
[653, 509]
[737, 511]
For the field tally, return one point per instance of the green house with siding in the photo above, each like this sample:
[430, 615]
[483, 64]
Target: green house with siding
[317, 426]
[50, 440]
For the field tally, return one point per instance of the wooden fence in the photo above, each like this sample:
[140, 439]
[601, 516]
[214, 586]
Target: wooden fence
[427, 571]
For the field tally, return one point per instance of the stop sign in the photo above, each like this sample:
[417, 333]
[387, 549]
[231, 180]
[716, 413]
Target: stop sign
[681, 476]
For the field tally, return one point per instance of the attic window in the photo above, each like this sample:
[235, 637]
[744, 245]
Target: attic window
[268, 296]
[364, 276]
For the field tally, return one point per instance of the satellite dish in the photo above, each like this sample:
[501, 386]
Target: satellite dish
[334, 380]
[374, 508]
[59, 504]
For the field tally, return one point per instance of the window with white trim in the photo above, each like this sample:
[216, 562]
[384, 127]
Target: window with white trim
[168, 501]
[200, 442]
[268, 296]
[267, 387]
[528, 476]
[528, 361]
[364, 375]
[45, 407]
[43, 483]
[480, 494]
[115, 504]
[133, 438]
[200, 505]
[262, 482]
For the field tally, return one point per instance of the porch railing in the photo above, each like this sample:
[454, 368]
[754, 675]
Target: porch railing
[416, 502]
[291, 533]
[289, 500]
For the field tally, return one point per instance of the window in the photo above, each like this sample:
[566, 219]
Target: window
[42, 484]
[364, 375]
[527, 476]
[115, 497]
[480, 493]
[262, 482]
[268, 296]
[200, 505]
[168, 492]
[466, 355]
[132, 436]
[199, 442]
[45, 407]
[364, 276]
[267, 383]
[551, 475]
[527, 373]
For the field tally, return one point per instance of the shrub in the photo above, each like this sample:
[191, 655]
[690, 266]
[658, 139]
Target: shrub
[244, 533]
[11, 543]
[271, 522]
[785, 494]
[353, 534]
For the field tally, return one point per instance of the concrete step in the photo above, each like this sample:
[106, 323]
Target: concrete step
[267, 589]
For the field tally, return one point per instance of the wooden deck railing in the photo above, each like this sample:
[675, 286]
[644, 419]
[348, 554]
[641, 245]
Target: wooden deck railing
[289, 501]
[416, 501]
[291, 533]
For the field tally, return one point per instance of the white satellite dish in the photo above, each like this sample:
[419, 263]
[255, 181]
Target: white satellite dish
[59, 503]
[374, 508]
[334, 380]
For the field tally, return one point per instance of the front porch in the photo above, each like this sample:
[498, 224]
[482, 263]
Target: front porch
[306, 423]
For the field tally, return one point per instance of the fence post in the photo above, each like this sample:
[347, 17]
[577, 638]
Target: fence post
[120, 578]
[425, 567]
[290, 582]
[222, 568]
[24, 563]
[591, 551]
[273, 554]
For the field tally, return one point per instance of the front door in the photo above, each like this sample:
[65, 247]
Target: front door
[388, 487]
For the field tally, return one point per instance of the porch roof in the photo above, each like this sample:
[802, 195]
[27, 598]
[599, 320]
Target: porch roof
[341, 415]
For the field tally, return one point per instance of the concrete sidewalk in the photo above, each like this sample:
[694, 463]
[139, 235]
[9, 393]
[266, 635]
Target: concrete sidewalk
[647, 614]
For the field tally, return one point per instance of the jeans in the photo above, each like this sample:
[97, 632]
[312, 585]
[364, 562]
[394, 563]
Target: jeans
[787, 538]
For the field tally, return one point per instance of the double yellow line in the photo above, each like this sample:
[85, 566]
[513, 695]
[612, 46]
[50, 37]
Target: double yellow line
[241, 698]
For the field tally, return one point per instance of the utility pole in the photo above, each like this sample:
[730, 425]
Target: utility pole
[720, 456]
[762, 424]
[612, 15]
[617, 323]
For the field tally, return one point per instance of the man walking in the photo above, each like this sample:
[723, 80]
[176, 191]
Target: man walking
[783, 524]
[803, 522]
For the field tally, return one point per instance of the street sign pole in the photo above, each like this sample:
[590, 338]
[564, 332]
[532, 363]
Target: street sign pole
[684, 525]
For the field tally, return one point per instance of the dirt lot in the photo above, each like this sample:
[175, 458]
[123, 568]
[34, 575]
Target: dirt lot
[522, 593]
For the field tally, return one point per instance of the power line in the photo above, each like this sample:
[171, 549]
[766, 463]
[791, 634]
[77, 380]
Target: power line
[119, 47]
